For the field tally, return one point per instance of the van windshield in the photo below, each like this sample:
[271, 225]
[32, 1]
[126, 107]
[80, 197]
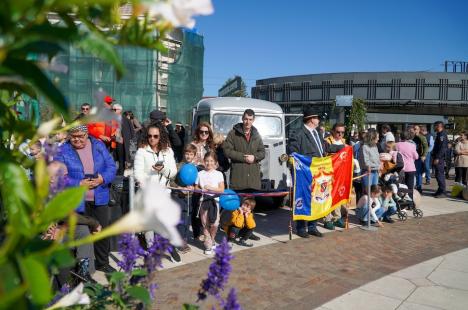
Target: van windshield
[268, 126]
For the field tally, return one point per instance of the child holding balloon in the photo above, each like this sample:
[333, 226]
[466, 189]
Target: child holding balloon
[211, 181]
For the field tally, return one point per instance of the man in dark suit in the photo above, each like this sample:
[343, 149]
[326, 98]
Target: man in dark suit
[308, 141]
[438, 158]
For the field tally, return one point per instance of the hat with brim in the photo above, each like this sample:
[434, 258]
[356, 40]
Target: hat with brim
[309, 112]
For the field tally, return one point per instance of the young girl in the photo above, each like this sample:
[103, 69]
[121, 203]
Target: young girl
[211, 180]
[376, 211]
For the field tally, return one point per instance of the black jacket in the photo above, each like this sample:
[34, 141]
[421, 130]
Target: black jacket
[440, 146]
[303, 143]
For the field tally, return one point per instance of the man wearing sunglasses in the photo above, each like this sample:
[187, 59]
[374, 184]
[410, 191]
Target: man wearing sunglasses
[85, 108]
[333, 144]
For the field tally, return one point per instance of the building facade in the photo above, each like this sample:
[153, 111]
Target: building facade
[390, 97]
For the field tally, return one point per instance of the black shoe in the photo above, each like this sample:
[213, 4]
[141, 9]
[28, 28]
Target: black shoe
[106, 268]
[363, 223]
[427, 183]
[316, 233]
[389, 220]
[440, 195]
[303, 234]
[242, 242]
[254, 237]
[175, 257]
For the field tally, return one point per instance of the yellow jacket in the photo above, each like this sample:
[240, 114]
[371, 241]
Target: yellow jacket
[240, 221]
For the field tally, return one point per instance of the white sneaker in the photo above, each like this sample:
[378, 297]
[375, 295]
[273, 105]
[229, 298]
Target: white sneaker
[213, 247]
[208, 252]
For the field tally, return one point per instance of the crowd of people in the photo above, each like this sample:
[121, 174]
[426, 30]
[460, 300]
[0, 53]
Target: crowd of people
[92, 155]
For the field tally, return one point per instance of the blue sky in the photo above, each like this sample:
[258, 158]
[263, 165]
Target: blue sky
[265, 38]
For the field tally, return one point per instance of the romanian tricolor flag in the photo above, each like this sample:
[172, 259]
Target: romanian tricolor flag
[321, 184]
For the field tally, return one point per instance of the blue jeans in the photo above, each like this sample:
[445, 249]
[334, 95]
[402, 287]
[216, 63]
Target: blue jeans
[427, 167]
[362, 213]
[301, 226]
[373, 178]
[420, 167]
[390, 211]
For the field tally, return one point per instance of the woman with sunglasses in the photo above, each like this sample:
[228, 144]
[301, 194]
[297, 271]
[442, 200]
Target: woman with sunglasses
[203, 141]
[155, 159]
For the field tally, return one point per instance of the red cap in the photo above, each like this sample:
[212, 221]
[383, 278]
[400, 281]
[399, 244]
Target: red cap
[108, 99]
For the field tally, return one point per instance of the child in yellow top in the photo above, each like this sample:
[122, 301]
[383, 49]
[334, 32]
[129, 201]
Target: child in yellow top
[242, 223]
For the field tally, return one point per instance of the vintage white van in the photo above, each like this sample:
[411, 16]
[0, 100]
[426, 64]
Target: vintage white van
[224, 112]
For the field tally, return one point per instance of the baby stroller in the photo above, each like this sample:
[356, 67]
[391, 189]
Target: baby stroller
[391, 177]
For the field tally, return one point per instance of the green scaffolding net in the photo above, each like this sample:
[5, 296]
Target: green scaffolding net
[81, 77]
[185, 80]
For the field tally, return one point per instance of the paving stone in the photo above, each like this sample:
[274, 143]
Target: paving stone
[362, 300]
[391, 287]
[307, 273]
[440, 297]
[450, 278]
[412, 306]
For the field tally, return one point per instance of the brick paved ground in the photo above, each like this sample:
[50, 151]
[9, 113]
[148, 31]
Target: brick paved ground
[303, 274]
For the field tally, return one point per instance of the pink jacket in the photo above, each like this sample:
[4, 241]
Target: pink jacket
[409, 154]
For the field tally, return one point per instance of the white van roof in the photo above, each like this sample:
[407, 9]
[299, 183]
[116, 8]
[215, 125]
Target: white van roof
[238, 104]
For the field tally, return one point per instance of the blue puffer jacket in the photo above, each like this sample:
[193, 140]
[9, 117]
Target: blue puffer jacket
[103, 164]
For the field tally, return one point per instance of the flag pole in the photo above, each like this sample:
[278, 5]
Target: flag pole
[291, 214]
[369, 204]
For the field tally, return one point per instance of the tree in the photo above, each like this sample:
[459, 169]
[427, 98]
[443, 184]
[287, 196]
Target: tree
[357, 115]
[242, 92]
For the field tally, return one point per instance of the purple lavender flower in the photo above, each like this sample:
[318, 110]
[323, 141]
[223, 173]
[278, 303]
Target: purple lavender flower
[153, 257]
[50, 150]
[60, 181]
[218, 273]
[231, 301]
[152, 290]
[130, 249]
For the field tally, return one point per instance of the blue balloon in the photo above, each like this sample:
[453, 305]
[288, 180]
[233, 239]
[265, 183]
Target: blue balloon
[188, 174]
[229, 202]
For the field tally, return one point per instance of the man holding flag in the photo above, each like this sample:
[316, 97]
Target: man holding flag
[308, 142]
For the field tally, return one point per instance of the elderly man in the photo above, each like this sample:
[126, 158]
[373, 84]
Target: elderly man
[421, 148]
[85, 108]
[89, 164]
[124, 134]
[307, 141]
[244, 146]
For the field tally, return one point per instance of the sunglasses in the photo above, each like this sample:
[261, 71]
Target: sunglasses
[115, 110]
[204, 132]
[84, 109]
[153, 136]
[340, 132]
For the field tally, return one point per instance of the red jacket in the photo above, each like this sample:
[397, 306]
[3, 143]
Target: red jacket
[107, 129]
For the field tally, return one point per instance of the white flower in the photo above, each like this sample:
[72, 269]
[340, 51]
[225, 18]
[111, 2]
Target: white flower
[75, 297]
[180, 12]
[154, 210]
[45, 128]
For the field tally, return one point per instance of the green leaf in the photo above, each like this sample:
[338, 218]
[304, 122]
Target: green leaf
[31, 72]
[62, 258]
[37, 278]
[42, 179]
[14, 182]
[99, 46]
[140, 293]
[190, 307]
[139, 272]
[116, 277]
[62, 204]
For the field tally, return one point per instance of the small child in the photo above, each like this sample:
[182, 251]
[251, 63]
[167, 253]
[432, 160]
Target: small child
[211, 180]
[376, 211]
[242, 223]
[388, 204]
[181, 197]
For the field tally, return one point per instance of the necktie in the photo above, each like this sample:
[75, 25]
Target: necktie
[317, 141]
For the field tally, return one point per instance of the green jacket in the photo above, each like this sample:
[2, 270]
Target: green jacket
[421, 145]
[244, 175]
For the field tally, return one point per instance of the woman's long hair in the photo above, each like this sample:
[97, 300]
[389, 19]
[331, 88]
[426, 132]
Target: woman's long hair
[196, 136]
[163, 143]
[370, 137]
